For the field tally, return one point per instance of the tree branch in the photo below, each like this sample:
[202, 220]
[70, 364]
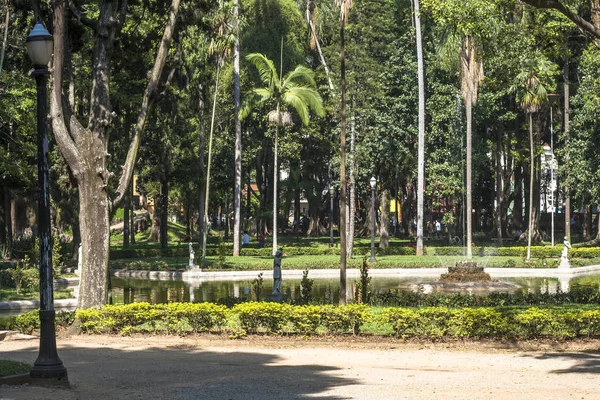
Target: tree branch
[576, 19]
[147, 103]
[83, 18]
[59, 127]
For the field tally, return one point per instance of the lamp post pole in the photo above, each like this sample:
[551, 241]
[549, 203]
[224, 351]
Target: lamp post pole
[331, 192]
[373, 183]
[48, 368]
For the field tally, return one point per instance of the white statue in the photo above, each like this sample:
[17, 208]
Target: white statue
[277, 272]
[565, 251]
[191, 263]
[564, 259]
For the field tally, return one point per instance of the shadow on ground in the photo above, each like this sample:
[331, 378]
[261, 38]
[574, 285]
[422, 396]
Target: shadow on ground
[178, 372]
[586, 362]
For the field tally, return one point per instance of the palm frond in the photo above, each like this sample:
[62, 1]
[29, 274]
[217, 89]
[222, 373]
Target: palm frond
[266, 69]
[297, 102]
[301, 75]
[310, 97]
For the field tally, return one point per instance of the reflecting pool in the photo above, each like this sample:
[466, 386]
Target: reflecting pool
[326, 290]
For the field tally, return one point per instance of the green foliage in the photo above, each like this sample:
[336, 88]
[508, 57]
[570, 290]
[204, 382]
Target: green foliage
[28, 322]
[222, 252]
[363, 286]
[306, 285]
[257, 287]
[270, 317]
[23, 275]
[306, 319]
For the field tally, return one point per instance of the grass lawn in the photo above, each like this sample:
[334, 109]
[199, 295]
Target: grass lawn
[10, 294]
[9, 367]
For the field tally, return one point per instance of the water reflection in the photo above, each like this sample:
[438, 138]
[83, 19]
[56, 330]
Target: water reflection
[325, 290]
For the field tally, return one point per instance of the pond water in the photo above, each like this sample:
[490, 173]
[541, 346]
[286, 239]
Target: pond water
[127, 291]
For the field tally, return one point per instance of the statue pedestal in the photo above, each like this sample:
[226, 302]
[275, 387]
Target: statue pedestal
[277, 297]
[194, 268]
[564, 264]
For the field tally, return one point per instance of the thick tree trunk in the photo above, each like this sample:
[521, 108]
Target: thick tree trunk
[384, 236]
[587, 223]
[408, 214]
[95, 235]
[421, 140]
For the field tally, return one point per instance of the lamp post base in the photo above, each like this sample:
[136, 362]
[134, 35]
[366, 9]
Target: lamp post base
[48, 369]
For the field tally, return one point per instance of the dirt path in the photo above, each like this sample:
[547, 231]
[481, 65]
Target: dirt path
[214, 367]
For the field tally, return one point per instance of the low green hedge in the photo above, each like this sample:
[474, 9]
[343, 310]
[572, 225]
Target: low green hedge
[183, 251]
[429, 323]
[520, 251]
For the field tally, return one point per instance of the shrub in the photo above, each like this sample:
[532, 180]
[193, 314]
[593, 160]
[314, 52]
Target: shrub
[306, 288]
[533, 321]
[477, 323]
[28, 322]
[343, 318]
[404, 321]
[269, 316]
[363, 286]
[306, 319]
[200, 316]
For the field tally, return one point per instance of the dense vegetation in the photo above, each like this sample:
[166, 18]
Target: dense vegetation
[490, 66]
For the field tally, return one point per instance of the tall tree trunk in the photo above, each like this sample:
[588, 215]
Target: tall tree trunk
[566, 128]
[95, 236]
[237, 191]
[587, 223]
[275, 179]
[201, 169]
[164, 212]
[5, 37]
[499, 186]
[315, 38]
[421, 140]
[343, 216]
[469, 195]
[352, 207]
[126, 206]
[207, 187]
[384, 236]
[531, 179]
[132, 215]
[8, 225]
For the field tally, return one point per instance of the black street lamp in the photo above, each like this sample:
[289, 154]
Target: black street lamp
[373, 182]
[331, 192]
[48, 368]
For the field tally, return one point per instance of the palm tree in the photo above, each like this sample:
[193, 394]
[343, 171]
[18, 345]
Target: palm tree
[530, 87]
[344, 6]
[297, 90]
[221, 47]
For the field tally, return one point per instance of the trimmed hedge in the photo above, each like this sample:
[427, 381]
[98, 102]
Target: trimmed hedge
[437, 322]
[428, 323]
[182, 251]
[520, 251]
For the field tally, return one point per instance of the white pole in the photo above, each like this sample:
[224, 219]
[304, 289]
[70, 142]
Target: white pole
[552, 173]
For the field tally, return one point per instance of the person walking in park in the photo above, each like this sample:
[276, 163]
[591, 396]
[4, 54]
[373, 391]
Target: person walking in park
[438, 229]
[246, 239]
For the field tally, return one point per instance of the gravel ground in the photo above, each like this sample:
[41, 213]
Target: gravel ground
[215, 367]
